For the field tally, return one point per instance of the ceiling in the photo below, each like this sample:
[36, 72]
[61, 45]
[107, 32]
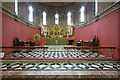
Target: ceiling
[56, 3]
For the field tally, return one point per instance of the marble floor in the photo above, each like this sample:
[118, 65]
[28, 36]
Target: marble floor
[56, 52]
[29, 66]
[59, 68]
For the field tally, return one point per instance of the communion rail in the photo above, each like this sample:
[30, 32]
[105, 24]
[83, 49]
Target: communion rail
[92, 49]
[26, 49]
[44, 50]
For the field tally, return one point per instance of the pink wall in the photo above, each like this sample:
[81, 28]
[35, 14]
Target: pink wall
[42, 41]
[119, 34]
[12, 28]
[106, 29]
[0, 29]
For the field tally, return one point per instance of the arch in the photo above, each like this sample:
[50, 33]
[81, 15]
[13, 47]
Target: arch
[30, 13]
[69, 18]
[44, 18]
[56, 18]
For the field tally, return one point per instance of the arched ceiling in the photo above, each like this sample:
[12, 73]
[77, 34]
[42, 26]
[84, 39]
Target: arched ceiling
[56, 3]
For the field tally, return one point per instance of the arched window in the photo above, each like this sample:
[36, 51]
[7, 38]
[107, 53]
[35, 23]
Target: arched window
[44, 18]
[30, 14]
[56, 18]
[16, 7]
[69, 18]
[82, 11]
[96, 7]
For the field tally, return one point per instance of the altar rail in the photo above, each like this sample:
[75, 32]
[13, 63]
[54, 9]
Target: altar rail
[98, 49]
[66, 50]
[19, 48]
[22, 49]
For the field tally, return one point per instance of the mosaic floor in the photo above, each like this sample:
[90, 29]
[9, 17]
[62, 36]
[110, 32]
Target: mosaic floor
[45, 66]
[56, 52]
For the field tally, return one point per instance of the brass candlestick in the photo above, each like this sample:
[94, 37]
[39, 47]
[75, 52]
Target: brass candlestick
[56, 41]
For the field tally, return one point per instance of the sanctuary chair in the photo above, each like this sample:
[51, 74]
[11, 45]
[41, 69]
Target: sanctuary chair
[16, 41]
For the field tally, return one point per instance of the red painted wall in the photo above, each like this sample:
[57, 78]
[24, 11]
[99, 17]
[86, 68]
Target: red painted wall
[106, 29]
[12, 28]
[119, 34]
[42, 41]
[0, 29]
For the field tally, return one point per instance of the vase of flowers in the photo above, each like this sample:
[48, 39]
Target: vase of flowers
[37, 37]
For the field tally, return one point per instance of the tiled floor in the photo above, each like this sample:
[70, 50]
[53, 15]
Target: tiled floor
[49, 69]
[88, 66]
[59, 68]
[56, 52]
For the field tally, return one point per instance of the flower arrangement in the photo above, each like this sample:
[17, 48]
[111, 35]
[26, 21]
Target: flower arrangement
[37, 37]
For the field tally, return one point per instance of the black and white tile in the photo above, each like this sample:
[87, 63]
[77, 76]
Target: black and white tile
[96, 66]
[56, 52]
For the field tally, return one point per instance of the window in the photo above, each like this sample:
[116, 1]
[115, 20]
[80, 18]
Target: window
[56, 19]
[44, 18]
[96, 7]
[30, 14]
[82, 15]
[69, 18]
[16, 7]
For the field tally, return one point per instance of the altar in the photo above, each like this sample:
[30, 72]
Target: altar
[56, 35]
[56, 41]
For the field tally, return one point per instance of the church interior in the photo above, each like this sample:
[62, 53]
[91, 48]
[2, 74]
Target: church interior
[59, 40]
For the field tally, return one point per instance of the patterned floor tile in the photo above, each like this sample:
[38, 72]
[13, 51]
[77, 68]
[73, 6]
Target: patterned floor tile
[56, 52]
[59, 66]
